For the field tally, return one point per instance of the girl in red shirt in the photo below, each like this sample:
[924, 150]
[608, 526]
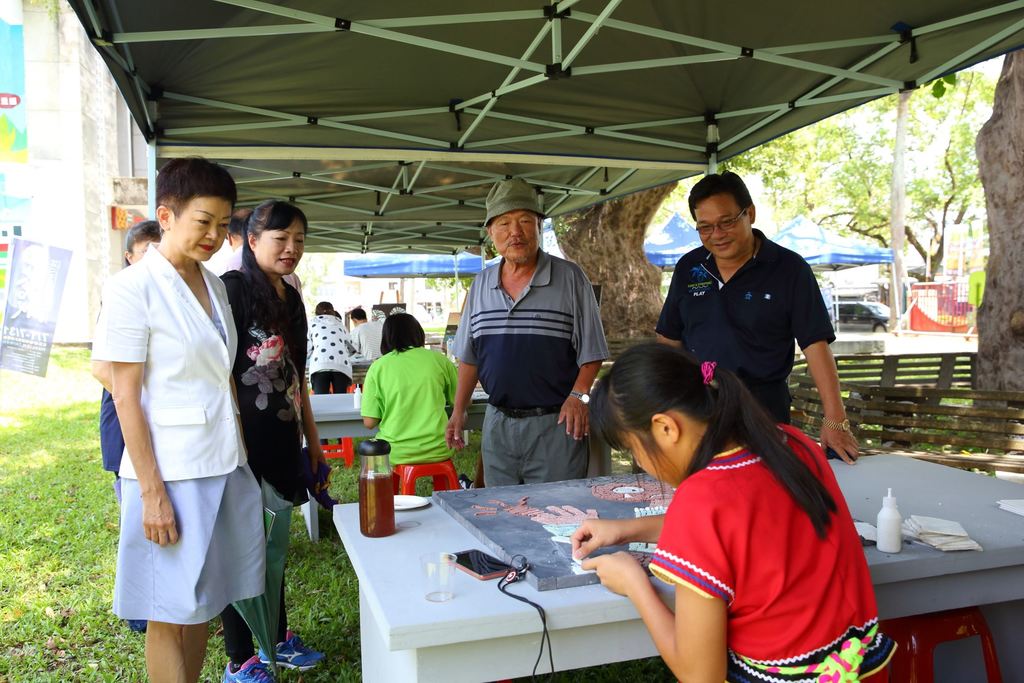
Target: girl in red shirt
[771, 581]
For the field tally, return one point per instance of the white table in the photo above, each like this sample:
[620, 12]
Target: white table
[483, 635]
[337, 417]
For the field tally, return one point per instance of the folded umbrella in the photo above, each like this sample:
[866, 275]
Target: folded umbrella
[261, 613]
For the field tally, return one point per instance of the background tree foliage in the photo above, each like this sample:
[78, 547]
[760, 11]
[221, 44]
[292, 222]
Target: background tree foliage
[838, 172]
[607, 241]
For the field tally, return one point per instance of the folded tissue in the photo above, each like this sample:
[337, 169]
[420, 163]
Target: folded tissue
[938, 533]
[1014, 506]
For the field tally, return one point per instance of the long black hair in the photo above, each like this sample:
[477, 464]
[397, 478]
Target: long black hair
[266, 309]
[401, 332]
[654, 378]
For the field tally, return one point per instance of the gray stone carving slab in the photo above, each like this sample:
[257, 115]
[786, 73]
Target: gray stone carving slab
[523, 520]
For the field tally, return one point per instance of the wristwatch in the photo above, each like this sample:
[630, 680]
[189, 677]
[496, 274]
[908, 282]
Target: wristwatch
[843, 426]
[584, 398]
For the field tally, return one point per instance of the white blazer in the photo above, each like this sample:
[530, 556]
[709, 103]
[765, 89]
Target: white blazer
[150, 316]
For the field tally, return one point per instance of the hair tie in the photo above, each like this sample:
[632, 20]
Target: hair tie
[707, 371]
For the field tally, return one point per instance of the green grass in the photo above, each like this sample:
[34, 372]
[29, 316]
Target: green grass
[58, 545]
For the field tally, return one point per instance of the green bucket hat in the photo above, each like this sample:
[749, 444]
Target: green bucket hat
[510, 195]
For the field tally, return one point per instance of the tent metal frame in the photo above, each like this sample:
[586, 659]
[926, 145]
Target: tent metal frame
[528, 69]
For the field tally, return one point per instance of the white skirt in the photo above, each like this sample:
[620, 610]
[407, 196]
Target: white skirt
[219, 557]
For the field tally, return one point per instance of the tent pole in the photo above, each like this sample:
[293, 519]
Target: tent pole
[151, 178]
[711, 142]
[456, 257]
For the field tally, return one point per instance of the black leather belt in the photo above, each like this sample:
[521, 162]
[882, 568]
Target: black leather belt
[527, 412]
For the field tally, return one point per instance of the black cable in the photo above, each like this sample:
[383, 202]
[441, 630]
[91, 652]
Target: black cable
[516, 573]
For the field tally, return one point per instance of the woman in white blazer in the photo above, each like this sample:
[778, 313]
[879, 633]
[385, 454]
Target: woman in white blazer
[191, 538]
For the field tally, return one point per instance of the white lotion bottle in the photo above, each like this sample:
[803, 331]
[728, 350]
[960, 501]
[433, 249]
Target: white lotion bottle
[890, 526]
[357, 398]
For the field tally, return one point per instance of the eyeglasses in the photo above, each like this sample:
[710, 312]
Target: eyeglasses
[706, 230]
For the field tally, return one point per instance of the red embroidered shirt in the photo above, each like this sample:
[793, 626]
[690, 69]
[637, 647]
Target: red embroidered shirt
[733, 532]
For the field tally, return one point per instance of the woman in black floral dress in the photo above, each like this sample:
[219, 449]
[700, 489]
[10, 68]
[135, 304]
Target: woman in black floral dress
[273, 400]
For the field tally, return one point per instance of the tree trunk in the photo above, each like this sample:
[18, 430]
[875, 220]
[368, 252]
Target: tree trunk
[607, 241]
[898, 207]
[1000, 149]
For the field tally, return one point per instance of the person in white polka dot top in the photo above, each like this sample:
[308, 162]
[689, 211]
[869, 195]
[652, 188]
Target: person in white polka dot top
[330, 352]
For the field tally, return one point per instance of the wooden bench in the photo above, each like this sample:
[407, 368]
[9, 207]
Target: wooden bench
[616, 345]
[962, 427]
[937, 370]
[952, 426]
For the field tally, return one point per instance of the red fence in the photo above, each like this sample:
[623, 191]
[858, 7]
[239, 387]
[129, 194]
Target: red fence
[940, 307]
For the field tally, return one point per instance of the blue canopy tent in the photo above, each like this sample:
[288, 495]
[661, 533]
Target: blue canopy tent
[824, 249]
[412, 265]
[429, 265]
[666, 245]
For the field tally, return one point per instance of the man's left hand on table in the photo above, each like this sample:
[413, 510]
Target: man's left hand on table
[844, 444]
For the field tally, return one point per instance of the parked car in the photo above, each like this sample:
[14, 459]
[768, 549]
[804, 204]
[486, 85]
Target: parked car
[863, 316]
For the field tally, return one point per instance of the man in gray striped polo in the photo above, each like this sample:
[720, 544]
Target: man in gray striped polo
[531, 334]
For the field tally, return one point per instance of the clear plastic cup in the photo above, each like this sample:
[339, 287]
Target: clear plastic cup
[438, 576]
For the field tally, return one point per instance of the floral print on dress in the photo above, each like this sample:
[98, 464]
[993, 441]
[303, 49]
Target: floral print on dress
[273, 371]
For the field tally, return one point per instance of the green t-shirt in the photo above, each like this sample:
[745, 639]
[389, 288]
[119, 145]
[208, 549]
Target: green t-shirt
[408, 392]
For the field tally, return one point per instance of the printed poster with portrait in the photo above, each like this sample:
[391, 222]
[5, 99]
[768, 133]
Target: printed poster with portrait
[35, 285]
[381, 311]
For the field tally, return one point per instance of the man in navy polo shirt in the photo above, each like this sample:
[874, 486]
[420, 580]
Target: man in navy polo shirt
[532, 334]
[741, 300]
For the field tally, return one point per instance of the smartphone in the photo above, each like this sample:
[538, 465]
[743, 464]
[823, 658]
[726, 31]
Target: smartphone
[480, 565]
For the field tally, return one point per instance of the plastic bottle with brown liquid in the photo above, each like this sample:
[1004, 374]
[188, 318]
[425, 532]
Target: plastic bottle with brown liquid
[376, 489]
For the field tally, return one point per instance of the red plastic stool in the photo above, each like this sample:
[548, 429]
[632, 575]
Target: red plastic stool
[443, 473]
[343, 449]
[917, 636]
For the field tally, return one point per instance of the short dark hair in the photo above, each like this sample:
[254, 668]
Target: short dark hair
[710, 185]
[236, 226]
[401, 332]
[357, 313]
[146, 231]
[324, 308]
[182, 180]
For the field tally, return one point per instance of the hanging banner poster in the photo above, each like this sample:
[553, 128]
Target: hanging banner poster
[13, 123]
[14, 214]
[34, 288]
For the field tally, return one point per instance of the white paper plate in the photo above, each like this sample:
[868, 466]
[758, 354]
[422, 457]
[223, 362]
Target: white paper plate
[410, 502]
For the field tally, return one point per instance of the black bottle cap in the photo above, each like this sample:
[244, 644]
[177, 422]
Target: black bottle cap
[372, 447]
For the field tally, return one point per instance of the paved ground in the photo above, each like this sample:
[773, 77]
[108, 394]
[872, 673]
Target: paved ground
[907, 342]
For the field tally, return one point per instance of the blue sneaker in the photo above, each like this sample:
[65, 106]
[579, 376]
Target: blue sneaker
[253, 671]
[137, 625]
[292, 654]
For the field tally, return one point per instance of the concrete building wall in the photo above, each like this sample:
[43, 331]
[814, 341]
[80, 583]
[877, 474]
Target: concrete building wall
[79, 141]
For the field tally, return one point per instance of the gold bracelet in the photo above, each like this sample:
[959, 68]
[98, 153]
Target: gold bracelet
[843, 426]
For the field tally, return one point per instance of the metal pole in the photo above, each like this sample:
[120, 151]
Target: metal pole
[151, 178]
[456, 257]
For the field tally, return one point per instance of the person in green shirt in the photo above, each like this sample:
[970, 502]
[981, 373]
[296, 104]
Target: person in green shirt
[406, 391]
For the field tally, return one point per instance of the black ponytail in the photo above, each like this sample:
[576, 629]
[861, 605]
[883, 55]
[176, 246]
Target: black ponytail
[265, 308]
[655, 378]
